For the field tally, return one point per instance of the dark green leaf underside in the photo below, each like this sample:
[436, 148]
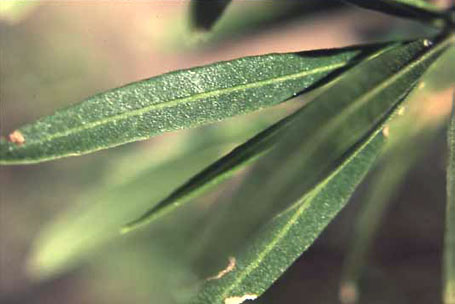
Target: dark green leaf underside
[173, 101]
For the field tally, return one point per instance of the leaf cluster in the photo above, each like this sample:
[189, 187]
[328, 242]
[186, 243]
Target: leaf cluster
[299, 172]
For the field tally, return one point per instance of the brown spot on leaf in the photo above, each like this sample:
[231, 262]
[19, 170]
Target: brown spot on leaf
[16, 137]
[229, 268]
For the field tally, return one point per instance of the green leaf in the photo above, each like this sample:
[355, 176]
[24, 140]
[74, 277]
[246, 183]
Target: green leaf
[353, 113]
[290, 233]
[315, 116]
[449, 237]
[414, 9]
[173, 101]
[204, 14]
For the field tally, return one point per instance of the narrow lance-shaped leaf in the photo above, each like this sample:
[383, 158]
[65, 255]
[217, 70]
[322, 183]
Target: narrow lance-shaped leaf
[313, 119]
[449, 237]
[287, 236]
[173, 101]
[204, 14]
[415, 9]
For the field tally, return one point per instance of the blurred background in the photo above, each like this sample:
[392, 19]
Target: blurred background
[59, 221]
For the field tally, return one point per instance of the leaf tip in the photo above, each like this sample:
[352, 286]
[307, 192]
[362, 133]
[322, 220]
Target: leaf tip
[136, 224]
[133, 225]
